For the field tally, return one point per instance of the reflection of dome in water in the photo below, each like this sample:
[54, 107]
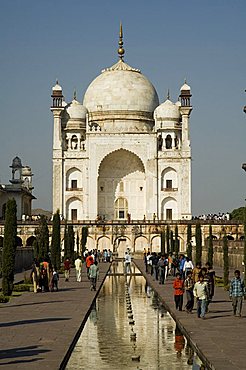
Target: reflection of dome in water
[121, 88]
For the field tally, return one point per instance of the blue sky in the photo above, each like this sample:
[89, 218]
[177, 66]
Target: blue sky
[203, 41]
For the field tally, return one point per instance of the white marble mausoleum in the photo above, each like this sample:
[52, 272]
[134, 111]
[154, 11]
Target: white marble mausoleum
[121, 154]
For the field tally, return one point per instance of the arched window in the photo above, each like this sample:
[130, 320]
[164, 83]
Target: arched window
[168, 141]
[74, 142]
[121, 208]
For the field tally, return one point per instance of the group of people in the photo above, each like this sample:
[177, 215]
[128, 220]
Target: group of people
[90, 259]
[44, 276]
[214, 216]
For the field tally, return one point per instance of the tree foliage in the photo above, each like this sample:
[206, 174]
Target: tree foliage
[56, 241]
[171, 242]
[244, 251]
[42, 239]
[188, 243]
[84, 238]
[237, 214]
[198, 243]
[225, 261]
[168, 239]
[163, 242]
[210, 246]
[176, 241]
[9, 247]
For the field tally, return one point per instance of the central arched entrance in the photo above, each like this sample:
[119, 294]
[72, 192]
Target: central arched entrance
[121, 186]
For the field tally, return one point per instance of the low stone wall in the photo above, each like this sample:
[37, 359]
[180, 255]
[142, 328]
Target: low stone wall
[235, 251]
[23, 258]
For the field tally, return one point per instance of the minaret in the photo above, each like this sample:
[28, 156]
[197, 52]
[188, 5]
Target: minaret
[57, 109]
[185, 110]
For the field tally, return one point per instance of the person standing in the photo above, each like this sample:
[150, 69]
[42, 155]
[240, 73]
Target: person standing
[93, 275]
[78, 268]
[196, 272]
[161, 265]
[201, 294]
[88, 262]
[127, 263]
[188, 266]
[67, 267]
[189, 285]
[178, 286]
[35, 276]
[237, 292]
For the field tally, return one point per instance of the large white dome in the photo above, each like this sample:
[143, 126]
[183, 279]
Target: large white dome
[121, 88]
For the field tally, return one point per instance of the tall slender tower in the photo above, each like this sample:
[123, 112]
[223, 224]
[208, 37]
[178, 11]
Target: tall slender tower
[57, 109]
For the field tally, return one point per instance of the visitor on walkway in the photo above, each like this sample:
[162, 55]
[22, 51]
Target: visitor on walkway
[196, 272]
[127, 263]
[162, 265]
[67, 268]
[211, 282]
[149, 263]
[88, 262]
[178, 286]
[201, 294]
[237, 292]
[54, 280]
[78, 268]
[181, 265]
[188, 266]
[155, 260]
[35, 276]
[93, 275]
[189, 285]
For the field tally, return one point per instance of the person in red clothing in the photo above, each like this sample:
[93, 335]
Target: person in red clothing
[67, 267]
[88, 262]
[178, 286]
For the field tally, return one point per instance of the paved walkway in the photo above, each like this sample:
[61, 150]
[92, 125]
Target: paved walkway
[37, 330]
[220, 339]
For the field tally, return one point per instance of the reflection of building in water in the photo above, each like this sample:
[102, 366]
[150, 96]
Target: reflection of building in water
[121, 154]
[110, 340]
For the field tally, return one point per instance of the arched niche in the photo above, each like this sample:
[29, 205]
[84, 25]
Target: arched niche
[74, 209]
[121, 174]
[169, 210]
[73, 179]
[169, 179]
[140, 244]
[156, 244]
[103, 242]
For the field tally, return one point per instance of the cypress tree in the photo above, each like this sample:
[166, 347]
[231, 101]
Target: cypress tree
[171, 242]
[244, 251]
[42, 238]
[163, 242]
[70, 234]
[9, 247]
[84, 238]
[189, 245]
[1, 256]
[66, 253]
[210, 246]
[226, 261]
[176, 241]
[198, 243]
[168, 239]
[56, 241]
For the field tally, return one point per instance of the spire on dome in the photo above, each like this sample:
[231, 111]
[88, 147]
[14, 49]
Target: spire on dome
[121, 50]
[168, 94]
[75, 95]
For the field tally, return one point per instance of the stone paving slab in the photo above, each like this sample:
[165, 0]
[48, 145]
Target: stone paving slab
[220, 339]
[37, 330]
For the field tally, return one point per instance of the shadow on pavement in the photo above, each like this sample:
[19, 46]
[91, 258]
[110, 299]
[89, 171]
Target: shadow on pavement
[34, 321]
[13, 353]
[29, 304]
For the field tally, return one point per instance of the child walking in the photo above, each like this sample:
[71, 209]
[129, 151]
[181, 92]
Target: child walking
[178, 286]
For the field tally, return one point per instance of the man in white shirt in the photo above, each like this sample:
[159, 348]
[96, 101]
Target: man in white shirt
[127, 263]
[201, 293]
[78, 268]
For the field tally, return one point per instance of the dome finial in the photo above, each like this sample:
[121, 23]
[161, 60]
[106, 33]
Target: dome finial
[121, 50]
[168, 94]
[74, 94]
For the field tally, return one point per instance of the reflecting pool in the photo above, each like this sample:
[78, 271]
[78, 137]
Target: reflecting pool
[128, 328]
